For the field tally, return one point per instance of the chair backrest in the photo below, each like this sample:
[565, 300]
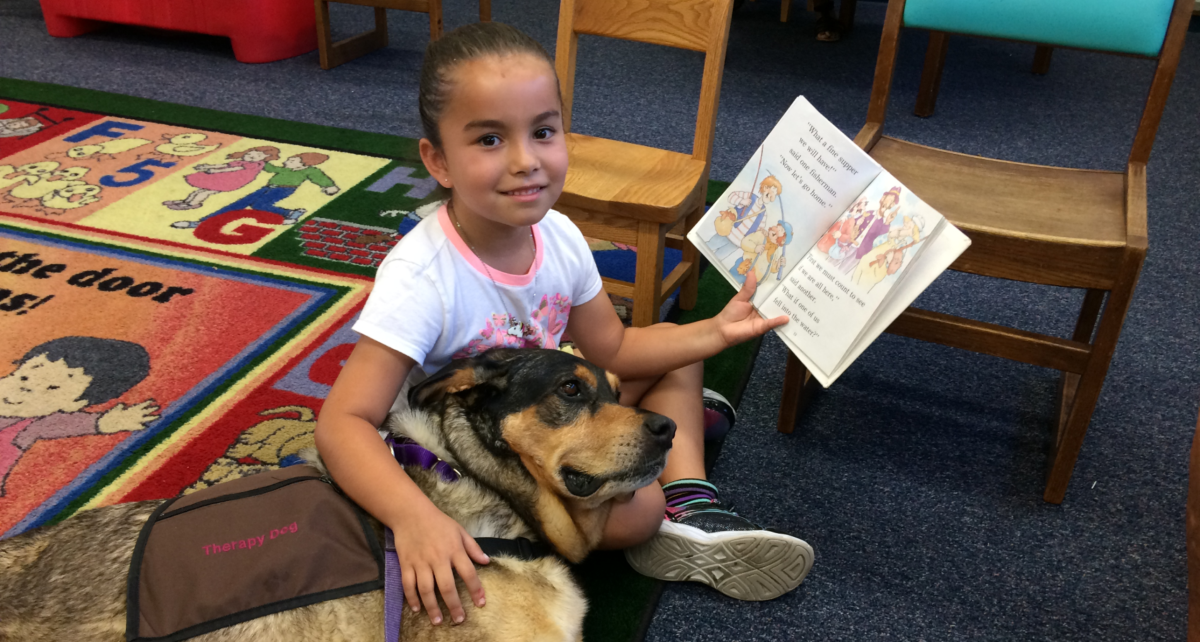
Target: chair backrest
[698, 25]
[1107, 25]
[1149, 28]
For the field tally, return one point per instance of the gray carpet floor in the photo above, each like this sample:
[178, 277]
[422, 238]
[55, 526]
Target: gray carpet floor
[917, 477]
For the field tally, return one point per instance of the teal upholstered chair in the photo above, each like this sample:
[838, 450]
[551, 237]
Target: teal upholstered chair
[1048, 225]
[1121, 26]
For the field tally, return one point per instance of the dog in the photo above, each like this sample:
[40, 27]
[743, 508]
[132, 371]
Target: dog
[543, 448]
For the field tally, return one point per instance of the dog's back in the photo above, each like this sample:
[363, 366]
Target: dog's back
[67, 581]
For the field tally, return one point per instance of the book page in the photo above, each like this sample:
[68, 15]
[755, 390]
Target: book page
[936, 258]
[840, 285]
[803, 176]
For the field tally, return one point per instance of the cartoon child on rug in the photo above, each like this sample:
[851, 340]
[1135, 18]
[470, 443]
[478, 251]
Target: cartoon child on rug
[44, 397]
[241, 169]
[272, 443]
[286, 179]
[749, 211]
[763, 251]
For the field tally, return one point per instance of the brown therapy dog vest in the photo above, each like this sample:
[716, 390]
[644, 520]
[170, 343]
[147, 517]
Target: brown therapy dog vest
[243, 549]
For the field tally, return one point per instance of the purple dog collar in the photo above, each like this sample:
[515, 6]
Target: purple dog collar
[409, 453]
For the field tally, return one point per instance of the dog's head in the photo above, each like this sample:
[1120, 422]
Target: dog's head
[546, 430]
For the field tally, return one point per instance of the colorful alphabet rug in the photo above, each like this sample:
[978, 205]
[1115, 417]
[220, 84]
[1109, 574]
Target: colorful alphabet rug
[177, 288]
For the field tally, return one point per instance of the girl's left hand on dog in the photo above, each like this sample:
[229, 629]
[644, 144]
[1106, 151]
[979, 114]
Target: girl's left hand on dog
[431, 548]
[739, 321]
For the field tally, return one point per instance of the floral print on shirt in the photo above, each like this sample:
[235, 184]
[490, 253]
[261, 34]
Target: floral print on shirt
[546, 323]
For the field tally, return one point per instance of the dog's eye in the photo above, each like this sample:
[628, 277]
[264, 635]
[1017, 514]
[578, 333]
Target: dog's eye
[570, 388]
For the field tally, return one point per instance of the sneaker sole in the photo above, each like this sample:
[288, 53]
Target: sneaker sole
[746, 565]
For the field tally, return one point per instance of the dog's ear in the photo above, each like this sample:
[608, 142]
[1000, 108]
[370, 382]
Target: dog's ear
[460, 375]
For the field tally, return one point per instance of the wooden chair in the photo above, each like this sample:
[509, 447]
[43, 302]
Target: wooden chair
[632, 194]
[336, 53]
[1037, 224]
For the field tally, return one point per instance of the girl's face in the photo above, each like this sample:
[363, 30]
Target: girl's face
[253, 156]
[503, 150]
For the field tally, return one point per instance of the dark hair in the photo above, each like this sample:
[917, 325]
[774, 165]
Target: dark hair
[115, 366]
[472, 41]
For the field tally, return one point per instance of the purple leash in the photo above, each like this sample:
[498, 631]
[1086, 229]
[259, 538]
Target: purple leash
[393, 589]
[407, 453]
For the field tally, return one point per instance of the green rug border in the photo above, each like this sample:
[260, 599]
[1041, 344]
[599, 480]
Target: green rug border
[631, 599]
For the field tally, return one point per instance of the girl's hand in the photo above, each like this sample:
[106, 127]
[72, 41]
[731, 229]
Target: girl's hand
[739, 321]
[431, 547]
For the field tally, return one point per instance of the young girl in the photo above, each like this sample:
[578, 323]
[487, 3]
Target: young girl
[496, 266]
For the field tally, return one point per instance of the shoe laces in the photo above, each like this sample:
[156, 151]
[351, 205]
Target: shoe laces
[676, 513]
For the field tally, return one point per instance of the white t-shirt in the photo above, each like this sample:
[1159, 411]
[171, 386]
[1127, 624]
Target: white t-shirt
[434, 300]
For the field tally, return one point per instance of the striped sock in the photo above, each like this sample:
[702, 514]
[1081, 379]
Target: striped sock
[689, 492]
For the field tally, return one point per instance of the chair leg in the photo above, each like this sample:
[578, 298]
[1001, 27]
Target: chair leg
[1093, 301]
[689, 290]
[435, 19]
[1081, 392]
[798, 387]
[931, 74]
[485, 10]
[1041, 60]
[335, 53]
[647, 282]
[784, 5]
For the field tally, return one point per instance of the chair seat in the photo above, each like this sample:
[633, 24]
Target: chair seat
[611, 177]
[1032, 223]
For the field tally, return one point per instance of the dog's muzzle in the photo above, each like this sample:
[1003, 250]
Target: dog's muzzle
[659, 430]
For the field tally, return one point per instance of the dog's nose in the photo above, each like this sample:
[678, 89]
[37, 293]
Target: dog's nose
[660, 428]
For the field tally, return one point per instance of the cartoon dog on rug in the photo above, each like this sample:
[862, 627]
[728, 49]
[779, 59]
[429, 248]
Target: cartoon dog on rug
[541, 448]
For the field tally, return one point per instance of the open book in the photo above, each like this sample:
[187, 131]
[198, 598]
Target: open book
[837, 243]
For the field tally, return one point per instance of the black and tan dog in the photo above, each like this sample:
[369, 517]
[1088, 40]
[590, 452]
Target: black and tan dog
[543, 447]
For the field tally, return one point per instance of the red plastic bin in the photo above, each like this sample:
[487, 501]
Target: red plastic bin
[260, 30]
